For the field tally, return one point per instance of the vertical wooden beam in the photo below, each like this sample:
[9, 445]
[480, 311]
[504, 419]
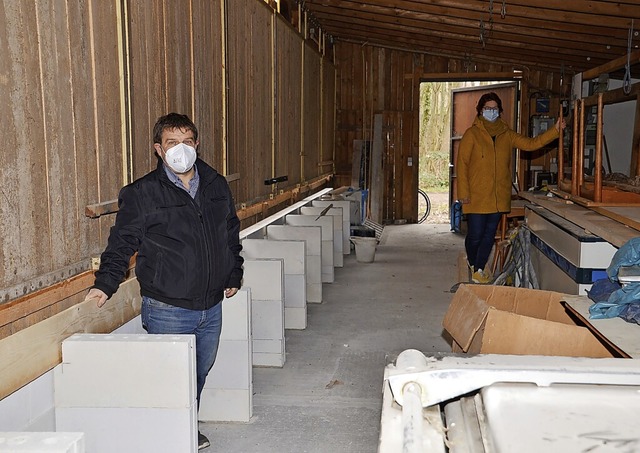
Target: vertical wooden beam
[122, 9]
[223, 74]
[574, 151]
[560, 160]
[580, 163]
[597, 173]
[274, 113]
[635, 143]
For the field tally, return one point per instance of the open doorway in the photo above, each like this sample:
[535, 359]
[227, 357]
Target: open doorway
[436, 145]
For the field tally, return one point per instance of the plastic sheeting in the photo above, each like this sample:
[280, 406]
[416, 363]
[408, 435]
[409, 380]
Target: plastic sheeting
[622, 302]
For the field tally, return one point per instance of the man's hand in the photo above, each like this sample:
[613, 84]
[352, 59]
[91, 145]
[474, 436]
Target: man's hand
[99, 296]
[560, 124]
[230, 292]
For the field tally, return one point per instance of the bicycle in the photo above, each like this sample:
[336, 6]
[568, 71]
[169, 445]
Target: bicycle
[424, 206]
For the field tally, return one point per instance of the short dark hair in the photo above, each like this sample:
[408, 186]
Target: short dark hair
[486, 98]
[173, 121]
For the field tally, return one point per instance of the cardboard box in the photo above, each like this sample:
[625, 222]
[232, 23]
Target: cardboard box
[491, 319]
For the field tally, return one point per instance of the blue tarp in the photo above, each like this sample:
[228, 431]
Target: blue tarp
[624, 301]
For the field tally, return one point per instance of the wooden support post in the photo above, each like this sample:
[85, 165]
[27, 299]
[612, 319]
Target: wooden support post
[597, 173]
[580, 162]
[574, 150]
[560, 159]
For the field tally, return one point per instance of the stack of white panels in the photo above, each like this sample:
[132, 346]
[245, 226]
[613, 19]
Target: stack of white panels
[265, 278]
[41, 442]
[228, 393]
[128, 392]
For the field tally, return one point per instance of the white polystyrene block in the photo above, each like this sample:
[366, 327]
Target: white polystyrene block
[324, 222]
[267, 319]
[139, 430]
[231, 373]
[314, 269]
[268, 346]
[312, 235]
[293, 253]
[328, 272]
[29, 408]
[314, 293]
[295, 318]
[225, 405]
[236, 316]
[268, 360]
[326, 226]
[265, 277]
[110, 370]
[232, 369]
[346, 219]
[41, 442]
[336, 215]
[295, 291]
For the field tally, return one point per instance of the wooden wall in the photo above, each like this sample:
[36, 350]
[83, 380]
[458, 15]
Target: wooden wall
[383, 81]
[81, 88]
[288, 125]
[61, 127]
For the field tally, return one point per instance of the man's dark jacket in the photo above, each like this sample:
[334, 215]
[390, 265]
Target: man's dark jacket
[188, 249]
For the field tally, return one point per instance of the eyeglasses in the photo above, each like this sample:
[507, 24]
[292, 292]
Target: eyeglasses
[490, 109]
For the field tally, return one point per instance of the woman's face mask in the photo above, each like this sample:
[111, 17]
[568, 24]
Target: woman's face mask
[490, 114]
[180, 157]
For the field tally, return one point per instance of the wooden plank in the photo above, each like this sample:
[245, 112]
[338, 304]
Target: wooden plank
[23, 306]
[608, 229]
[611, 66]
[623, 336]
[629, 215]
[376, 177]
[26, 355]
[94, 211]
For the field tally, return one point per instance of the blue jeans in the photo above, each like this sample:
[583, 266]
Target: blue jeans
[206, 325]
[481, 234]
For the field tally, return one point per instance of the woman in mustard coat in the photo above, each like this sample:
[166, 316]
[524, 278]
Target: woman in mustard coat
[484, 182]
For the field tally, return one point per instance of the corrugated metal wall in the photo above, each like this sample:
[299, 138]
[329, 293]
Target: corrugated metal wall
[83, 82]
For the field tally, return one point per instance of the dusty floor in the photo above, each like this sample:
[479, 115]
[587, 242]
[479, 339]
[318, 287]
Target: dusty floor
[328, 395]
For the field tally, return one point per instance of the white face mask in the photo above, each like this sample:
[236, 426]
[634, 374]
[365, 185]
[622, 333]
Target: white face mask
[490, 114]
[180, 158]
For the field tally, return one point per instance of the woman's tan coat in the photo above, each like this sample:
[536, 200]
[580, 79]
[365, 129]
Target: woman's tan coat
[484, 170]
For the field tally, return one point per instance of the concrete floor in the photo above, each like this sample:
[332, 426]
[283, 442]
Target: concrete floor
[328, 395]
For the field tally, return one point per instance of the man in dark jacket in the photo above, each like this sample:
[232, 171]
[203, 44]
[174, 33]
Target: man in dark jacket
[181, 221]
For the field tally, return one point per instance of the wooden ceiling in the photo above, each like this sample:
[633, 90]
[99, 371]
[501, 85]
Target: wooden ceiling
[556, 35]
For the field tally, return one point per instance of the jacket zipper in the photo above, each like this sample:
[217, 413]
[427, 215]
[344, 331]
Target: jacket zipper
[204, 235]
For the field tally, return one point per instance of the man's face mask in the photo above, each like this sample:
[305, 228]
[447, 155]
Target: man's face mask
[490, 114]
[180, 158]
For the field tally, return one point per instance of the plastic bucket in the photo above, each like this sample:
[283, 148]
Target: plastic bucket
[365, 248]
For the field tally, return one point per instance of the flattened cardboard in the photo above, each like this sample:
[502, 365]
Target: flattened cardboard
[505, 320]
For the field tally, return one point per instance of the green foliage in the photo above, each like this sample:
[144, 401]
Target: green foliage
[434, 172]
